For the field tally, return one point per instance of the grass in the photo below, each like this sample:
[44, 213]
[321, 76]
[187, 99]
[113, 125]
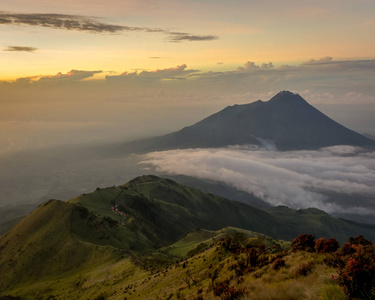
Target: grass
[78, 249]
[189, 278]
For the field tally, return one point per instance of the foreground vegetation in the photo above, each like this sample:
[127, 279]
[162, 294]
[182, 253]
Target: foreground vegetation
[155, 239]
[234, 267]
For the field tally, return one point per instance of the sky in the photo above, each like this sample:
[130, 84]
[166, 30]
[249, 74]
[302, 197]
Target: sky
[82, 71]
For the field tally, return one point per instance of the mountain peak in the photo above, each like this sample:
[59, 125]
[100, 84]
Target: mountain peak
[286, 97]
[287, 120]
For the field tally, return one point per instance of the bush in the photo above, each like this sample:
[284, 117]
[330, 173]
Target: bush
[303, 242]
[304, 269]
[228, 292]
[324, 246]
[83, 211]
[278, 263]
[357, 277]
[359, 240]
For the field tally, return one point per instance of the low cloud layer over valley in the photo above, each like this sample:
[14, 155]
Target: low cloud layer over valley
[338, 180]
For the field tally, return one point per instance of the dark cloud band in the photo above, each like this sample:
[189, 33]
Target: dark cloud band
[86, 24]
[20, 49]
[181, 36]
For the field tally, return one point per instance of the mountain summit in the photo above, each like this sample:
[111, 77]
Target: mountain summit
[286, 120]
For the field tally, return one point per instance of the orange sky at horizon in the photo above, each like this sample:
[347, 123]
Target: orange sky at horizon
[36, 39]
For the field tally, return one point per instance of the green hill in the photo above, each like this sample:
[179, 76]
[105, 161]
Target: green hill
[42, 245]
[163, 211]
[230, 268]
[149, 221]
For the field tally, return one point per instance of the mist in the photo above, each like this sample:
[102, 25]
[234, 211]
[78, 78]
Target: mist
[338, 180]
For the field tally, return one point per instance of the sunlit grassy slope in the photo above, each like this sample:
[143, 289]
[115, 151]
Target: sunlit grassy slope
[82, 247]
[202, 276]
[42, 245]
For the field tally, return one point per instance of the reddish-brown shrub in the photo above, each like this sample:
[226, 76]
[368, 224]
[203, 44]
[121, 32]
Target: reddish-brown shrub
[304, 269]
[227, 292]
[356, 268]
[326, 246]
[278, 263]
[303, 242]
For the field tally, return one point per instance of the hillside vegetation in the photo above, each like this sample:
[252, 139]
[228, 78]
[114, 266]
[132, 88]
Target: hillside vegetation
[152, 237]
[234, 267]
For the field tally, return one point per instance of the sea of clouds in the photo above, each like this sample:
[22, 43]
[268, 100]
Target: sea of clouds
[297, 179]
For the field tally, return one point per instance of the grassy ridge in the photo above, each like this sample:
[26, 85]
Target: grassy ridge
[201, 239]
[42, 245]
[207, 275]
[64, 240]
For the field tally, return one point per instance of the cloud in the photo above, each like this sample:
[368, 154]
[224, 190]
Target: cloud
[357, 97]
[20, 49]
[298, 179]
[60, 21]
[328, 65]
[324, 81]
[90, 24]
[177, 37]
[71, 76]
[177, 72]
[322, 60]
[251, 66]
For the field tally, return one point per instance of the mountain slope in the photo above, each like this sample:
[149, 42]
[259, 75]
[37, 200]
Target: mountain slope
[223, 267]
[162, 211]
[219, 188]
[60, 238]
[287, 120]
[43, 244]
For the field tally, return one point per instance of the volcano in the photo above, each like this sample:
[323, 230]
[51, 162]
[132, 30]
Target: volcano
[286, 121]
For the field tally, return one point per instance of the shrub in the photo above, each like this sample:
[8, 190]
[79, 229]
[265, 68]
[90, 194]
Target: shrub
[303, 242]
[359, 240]
[252, 257]
[83, 211]
[304, 269]
[326, 246]
[227, 292]
[112, 223]
[231, 293]
[278, 263]
[358, 275]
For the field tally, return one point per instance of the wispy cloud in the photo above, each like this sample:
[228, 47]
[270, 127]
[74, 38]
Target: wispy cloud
[20, 49]
[68, 22]
[72, 76]
[181, 36]
[91, 24]
[177, 72]
[298, 179]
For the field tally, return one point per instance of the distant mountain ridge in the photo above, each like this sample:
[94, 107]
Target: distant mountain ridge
[286, 120]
